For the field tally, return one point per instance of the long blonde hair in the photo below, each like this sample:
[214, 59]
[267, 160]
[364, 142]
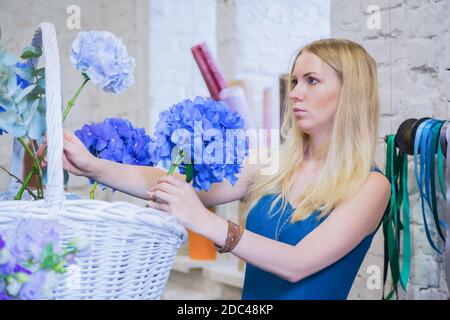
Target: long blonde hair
[348, 155]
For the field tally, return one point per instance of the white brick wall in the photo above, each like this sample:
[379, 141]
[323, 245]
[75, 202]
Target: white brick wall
[410, 51]
[176, 26]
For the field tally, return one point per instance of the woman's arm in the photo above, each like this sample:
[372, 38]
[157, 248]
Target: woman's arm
[137, 180]
[342, 231]
[130, 179]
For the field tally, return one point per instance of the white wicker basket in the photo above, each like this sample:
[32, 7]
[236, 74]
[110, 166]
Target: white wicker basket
[132, 248]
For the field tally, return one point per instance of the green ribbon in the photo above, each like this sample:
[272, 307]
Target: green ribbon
[397, 173]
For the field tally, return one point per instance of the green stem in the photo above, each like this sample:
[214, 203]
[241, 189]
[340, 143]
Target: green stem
[172, 169]
[176, 162]
[44, 153]
[71, 102]
[40, 187]
[33, 156]
[26, 147]
[92, 192]
[20, 181]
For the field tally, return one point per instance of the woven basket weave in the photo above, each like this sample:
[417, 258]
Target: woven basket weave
[132, 248]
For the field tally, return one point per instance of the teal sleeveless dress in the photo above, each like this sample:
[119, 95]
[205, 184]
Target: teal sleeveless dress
[332, 283]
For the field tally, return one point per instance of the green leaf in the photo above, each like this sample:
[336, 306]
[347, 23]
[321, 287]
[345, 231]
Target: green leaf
[41, 83]
[48, 257]
[59, 267]
[44, 175]
[189, 172]
[25, 73]
[39, 72]
[24, 92]
[35, 94]
[31, 52]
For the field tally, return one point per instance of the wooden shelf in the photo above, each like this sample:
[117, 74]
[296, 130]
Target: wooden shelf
[219, 271]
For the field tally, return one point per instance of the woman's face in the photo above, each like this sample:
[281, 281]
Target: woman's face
[315, 94]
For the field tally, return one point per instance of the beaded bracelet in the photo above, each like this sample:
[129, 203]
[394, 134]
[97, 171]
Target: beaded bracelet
[234, 234]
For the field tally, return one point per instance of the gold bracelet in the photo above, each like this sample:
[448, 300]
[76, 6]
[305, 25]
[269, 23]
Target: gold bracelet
[234, 234]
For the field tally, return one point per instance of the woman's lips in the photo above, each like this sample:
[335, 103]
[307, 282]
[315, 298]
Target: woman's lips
[298, 111]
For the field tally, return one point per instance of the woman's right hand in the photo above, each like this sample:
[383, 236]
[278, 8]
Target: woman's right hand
[76, 158]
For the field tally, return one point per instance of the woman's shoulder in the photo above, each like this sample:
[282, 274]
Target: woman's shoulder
[381, 177]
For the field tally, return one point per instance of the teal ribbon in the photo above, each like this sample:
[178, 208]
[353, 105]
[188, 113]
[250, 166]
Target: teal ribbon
[425, 143]
[397, 173]
[447, 215]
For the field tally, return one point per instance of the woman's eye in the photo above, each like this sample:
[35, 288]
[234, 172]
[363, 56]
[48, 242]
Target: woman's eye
[294, 82]
[312, 81]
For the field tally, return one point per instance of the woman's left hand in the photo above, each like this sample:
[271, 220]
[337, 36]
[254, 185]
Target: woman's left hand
[178, 197]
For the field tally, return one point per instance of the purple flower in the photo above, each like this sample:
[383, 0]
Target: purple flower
[104, 59]
[30, 236]
[34, 258]
[116, 139]
[206, 130]
[4, 296]
[33, 288]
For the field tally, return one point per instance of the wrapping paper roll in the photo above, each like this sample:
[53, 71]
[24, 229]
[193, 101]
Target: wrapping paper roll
[267, 113]
[234, 97]
[209, 69]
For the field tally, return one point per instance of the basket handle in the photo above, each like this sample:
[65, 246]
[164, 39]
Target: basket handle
[45, 37]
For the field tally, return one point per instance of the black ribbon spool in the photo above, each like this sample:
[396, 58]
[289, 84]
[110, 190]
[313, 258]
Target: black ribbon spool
[406, 133]
[403, 136]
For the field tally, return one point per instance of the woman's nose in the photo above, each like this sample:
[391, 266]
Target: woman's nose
[297, 93]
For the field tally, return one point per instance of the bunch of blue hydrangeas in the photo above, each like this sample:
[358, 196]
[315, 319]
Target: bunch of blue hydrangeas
[117, 140]
[208, 135]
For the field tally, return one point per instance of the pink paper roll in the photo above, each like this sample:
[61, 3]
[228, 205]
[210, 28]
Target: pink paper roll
[267, 113]
[206, 72]
[214, 67]
[209, 69]
[234, 97]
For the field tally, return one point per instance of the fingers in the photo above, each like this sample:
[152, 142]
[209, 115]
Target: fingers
[171, 180]
[166, 187]
[69, 136]
[158, 206]
[161, 195]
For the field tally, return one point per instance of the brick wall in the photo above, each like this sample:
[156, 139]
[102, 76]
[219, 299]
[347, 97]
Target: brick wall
[413, 78]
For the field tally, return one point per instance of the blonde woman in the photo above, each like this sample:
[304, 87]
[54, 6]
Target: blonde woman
[310, 225]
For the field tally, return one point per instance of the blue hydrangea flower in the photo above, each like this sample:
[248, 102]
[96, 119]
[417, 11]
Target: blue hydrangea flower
[116, 139]
[211, 135]
[104, 59]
